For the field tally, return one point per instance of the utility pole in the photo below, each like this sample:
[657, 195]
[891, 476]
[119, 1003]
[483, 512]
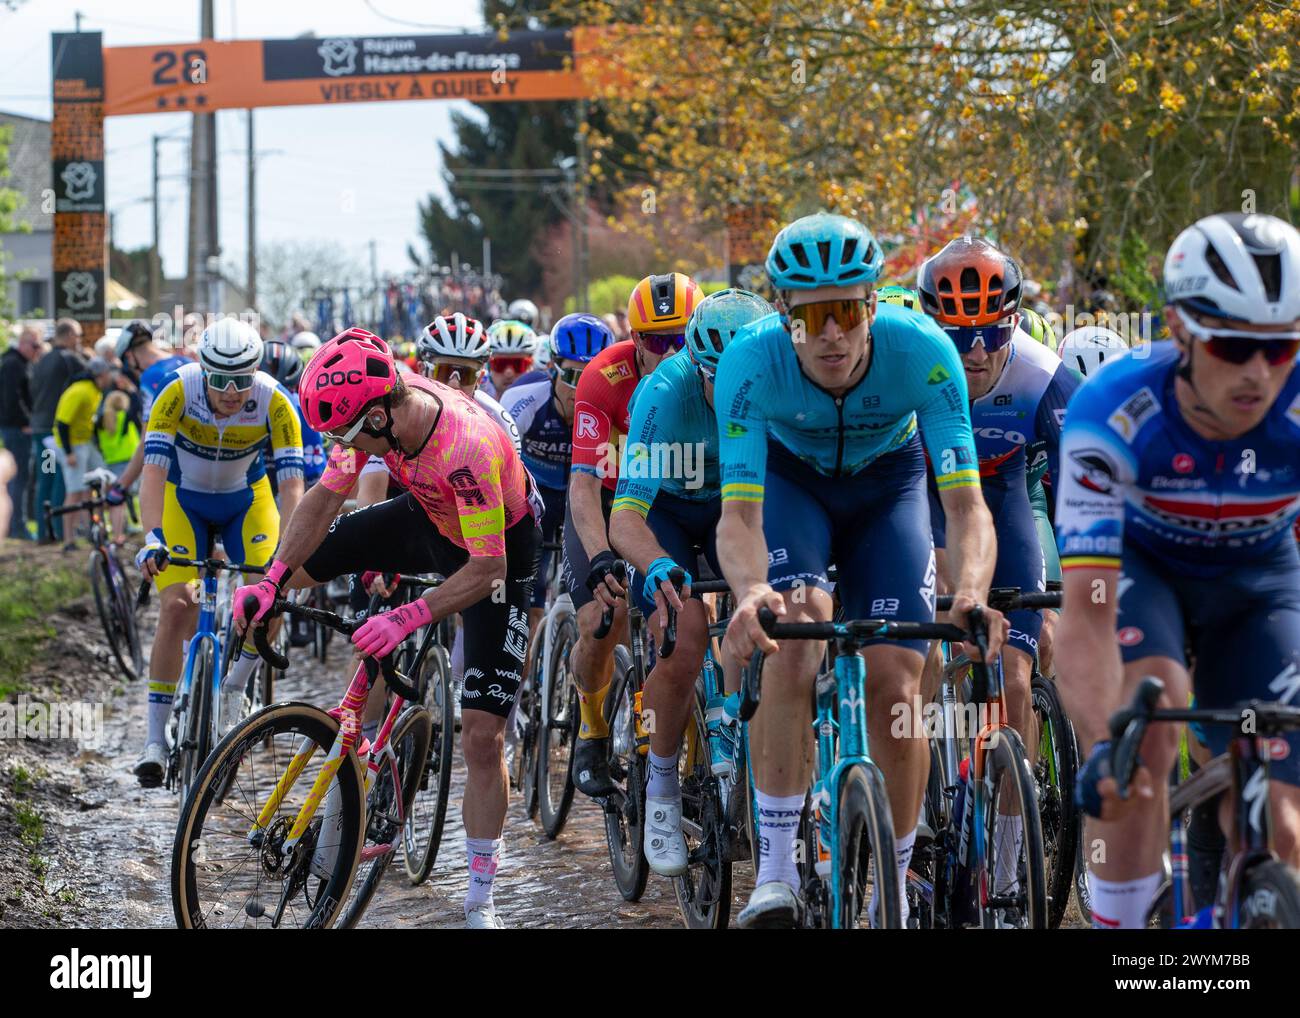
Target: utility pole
[204, 251]
[252, 216]
[155, 266]
[487, 258]
[582, 205]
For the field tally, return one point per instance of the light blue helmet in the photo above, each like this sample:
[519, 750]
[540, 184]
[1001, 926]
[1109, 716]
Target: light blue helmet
[716, 320]
[823, 250]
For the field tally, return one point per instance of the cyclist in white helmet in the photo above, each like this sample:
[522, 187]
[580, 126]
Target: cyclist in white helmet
[306, 343]
[523, 311]
[513, 345]
[1085, 349]
[454, 349]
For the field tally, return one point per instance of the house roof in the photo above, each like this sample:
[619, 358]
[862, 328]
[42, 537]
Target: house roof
[29, 167]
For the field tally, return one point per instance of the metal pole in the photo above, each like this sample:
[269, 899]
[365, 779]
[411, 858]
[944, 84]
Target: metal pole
[155, 271]
[487, 258]
[582, 203]
[252, 216]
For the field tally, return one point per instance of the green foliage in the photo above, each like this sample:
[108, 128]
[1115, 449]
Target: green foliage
[10, 202]
[25, 607]
[1135, 279]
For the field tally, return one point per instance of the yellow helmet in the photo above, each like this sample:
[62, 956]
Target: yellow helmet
[663, 303]
[903, 296]
[1038, 328]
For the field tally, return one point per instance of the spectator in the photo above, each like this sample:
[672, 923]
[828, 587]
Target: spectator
[106, 347]
[74, 422]
[117, 436]
[49, 378]
[16, 421]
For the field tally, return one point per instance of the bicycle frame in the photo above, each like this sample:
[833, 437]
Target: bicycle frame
[560, 609]
[204, 632]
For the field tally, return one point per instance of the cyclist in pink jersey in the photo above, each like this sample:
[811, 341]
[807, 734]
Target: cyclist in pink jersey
[467, 513]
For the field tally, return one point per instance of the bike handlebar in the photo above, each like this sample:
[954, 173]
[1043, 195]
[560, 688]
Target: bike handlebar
[619, 569]
[1005, 599]
[216, 565]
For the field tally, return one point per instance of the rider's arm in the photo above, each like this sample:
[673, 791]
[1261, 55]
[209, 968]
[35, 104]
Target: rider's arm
[158, 449]
[628, 532]
[972, 544]
[584, 507]
[373, 485]
[286, 449]
[153, 482]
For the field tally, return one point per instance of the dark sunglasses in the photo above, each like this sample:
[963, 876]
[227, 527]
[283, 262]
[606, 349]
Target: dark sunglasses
[1236, 350]
[847, 314]
[659, 343]
[450, 374]
[994, 337]
[517, 364]
[568, 376]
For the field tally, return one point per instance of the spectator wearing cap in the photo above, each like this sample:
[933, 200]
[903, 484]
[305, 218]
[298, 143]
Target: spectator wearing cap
[16, 420]
[49, 378]
[74, 428]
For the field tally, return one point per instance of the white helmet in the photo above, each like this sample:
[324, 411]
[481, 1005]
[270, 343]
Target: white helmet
[542, 354]
[511, 338]
[1235, 266]
[1085, 349]
[455, 335]
[231, 346]
[523, 311]
[305, 341]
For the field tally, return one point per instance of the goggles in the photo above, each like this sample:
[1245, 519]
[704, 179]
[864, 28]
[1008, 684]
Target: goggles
[347, 437]
[1237, 346]
[449, 374]
[660, 343]
[992, 337]
[568, 376]
[517, 364]
[223, 382]
[847, 314]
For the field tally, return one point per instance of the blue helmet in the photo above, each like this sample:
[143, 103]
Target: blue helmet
[716, 320]
[823, 250]
[580, 336]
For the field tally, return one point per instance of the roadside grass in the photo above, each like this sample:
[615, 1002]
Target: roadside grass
[27, 600]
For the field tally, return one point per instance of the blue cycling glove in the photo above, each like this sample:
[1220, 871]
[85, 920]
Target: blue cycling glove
[658, 573]
[1094, 770]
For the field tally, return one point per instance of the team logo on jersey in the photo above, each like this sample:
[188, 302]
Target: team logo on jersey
[1129, 418]
[1184, 464]
[1003, 400]
[586, 425]
[615, 373]
[735, 430]
[1293, 411]
[937, 375]
[1094, 470]
[465, 484]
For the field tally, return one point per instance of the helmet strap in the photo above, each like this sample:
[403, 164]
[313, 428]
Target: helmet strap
[386, 432]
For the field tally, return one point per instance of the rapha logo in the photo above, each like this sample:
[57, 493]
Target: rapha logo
[78, 181]
[79, 290]
[102, 972]
[340, 56]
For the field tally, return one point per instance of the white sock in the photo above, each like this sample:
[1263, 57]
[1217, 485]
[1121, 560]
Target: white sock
[160, 708]
[1009, 833]
[483, 856]
[662, 782]
[778, 827]
[902, 859]
[240, 669]
[1122, 905]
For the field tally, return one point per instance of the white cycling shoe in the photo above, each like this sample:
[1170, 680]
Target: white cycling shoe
[483, 917]
[662, 841]
[151, 766]
[772, 906]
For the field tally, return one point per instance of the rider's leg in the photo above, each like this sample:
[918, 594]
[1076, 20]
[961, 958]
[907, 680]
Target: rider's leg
[670, 692]
[178, 613]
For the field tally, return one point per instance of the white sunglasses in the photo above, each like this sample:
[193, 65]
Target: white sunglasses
[347, 437]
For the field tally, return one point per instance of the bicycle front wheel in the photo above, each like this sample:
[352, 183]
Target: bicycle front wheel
[428, 812]
[1054, 773]
[196, 719]
[704, 890]
[232, 861]
[1011, 876]
[388, 806]
[558, 731]
[625, 812]
[866, 852]
[1269, 898]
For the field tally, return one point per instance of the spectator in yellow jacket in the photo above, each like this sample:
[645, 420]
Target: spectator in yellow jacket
[74, 432]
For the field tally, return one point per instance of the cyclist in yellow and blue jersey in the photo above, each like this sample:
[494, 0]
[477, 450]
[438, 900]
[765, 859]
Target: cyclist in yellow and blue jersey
[204, 477]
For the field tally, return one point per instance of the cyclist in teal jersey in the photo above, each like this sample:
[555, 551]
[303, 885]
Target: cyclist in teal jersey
[665, 516]
[821, 461]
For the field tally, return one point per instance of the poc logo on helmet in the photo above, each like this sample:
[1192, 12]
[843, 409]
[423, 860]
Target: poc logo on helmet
[325, 378]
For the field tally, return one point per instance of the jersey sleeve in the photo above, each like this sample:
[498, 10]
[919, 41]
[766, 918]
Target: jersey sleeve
[164, 418]
[1043, 456]
[1096, 470]
[637, 484]
[592, 425]
[480, 505]
[286, 436]
[341, 471]
[522, 403]
[742, 394]
[504, 419]
[943, 411]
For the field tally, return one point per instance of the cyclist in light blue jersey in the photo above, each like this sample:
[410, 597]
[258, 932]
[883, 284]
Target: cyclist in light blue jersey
[665, 516]
[1180, 485]
[821, 462]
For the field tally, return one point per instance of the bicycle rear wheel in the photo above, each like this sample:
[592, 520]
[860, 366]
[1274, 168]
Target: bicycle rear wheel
[625, 812]
[558, 731]
[386, 814]
[427, 814]
[1054, 773]
[1269, 898]
[866, 835]
[118, 630]
[196, 719]
[1011, 893]
[530, 721]
[704, 890]
[230, 871]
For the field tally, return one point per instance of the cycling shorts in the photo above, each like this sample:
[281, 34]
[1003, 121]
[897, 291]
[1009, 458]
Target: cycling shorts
[1020, 555]
[686, 530]
[1242, 629]
[553, 502]
[398, 536]
[247, 522]
[874, 525]
[576, 565]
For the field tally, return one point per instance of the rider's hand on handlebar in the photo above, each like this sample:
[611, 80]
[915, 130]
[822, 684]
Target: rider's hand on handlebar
[1097, 791]
[997, 624]
[373, 583]
[264, 592]
[659, 587]
[383, 632]
[744, 633]
[603, 582]
[152, 558]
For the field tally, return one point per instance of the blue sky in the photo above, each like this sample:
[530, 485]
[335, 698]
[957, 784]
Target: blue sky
[342, 174]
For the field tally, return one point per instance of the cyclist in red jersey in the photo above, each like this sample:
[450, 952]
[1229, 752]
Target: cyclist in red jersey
[469, 512]
[658, 311]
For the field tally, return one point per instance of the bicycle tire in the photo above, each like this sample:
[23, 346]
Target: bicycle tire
[625, 814]
[419, 856]
[704, 890]
[410, 739]
[232, 767]
[1054, 773]
[866, 834]
[127, 614]
[1007, 767]
[196, 719]
[530, 710]
[928, 860]
[1269, 898]
[106, 604]
[558, 733]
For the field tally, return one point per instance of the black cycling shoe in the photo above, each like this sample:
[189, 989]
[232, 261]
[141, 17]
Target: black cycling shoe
[590, 767]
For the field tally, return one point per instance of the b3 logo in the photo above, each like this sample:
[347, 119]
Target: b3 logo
[884, 606]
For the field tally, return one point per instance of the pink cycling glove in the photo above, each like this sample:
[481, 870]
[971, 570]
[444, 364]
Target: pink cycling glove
[266, 590]
[381, 633]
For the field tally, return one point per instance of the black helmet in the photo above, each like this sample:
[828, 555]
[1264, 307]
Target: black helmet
[282, 362]
[133, 334]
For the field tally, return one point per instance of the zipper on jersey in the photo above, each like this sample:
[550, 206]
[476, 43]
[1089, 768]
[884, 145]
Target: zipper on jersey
[839, 436]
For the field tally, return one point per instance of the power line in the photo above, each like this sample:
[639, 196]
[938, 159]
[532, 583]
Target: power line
[414, 24]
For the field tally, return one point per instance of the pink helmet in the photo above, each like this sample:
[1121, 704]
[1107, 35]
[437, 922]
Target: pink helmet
[343, 377]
